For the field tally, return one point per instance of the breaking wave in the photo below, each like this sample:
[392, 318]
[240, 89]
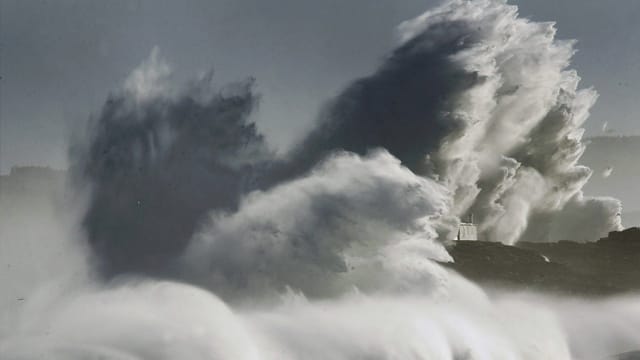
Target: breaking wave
[331, 250]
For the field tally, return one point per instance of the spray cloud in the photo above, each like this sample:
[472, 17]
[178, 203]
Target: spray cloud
[328, 251]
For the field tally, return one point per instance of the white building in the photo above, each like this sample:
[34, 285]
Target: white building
[467, 230]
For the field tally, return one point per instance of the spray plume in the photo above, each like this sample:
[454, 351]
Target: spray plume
[481, 100]
[158, 162]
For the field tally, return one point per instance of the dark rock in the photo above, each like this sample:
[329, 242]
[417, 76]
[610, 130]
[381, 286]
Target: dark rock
[606, 267]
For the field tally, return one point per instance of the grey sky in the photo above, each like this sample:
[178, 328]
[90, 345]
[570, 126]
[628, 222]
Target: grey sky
[59, 59]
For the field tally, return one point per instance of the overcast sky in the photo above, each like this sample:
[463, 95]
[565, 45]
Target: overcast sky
[60, 58]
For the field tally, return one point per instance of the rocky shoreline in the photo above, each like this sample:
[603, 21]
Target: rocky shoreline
[606, 267]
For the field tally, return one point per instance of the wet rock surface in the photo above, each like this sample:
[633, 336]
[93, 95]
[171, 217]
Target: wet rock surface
[606, 267]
